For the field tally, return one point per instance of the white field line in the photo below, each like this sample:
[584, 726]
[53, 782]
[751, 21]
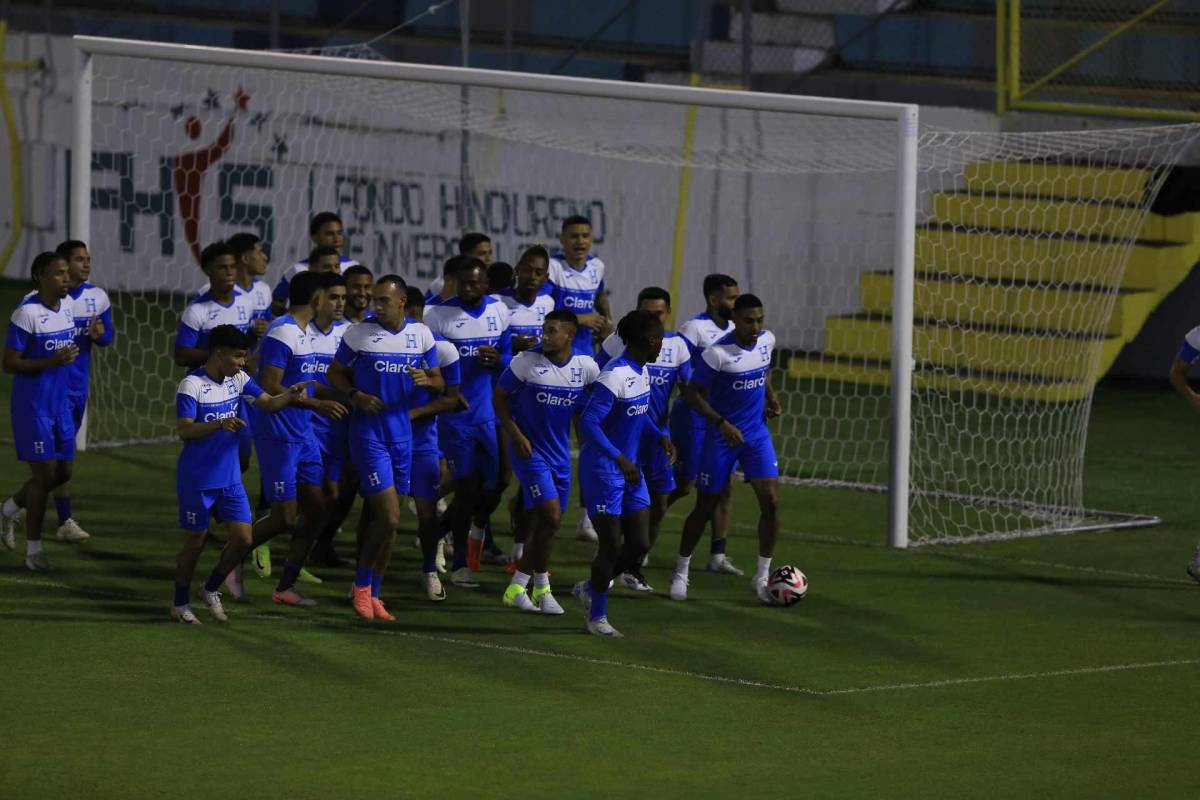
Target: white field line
[647, 668]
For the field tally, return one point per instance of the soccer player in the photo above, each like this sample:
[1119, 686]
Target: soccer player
[289, 457]
[251, 262]
[612, 427]
[38, 350]
[325, 333]
[325, 229]
[1189, 351]
[731, 390]
[223, 304]
[471, 245]
[359, 282]
[499, 277]
[526, 301]
[535, 400]
[687, 427]
[379, 366]
[207, 420]
[672, 367]
[478, 326]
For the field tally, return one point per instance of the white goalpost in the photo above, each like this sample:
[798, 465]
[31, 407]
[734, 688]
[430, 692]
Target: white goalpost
[943, 302]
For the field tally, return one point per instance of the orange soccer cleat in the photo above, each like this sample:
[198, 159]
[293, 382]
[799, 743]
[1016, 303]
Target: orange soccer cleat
[474, 553]
[364, 604]
[381, 611]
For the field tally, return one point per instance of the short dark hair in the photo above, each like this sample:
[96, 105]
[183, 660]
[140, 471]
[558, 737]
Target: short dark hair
[636, 327]
[500, 276]
[302, 287]
[454, 264]
[65, 249]
[357, 269]
[230, 337]
[330, 279]
[395, 279]
[576, 219]
[214, 251]
[654, 293]
[534, 251]
[323, 218]
[241, 243]
[414, 300]
[321, 251]
[43, 260]
[468, 263]
[716, 282]
[563, 315]
[746, 301]
[470, 241]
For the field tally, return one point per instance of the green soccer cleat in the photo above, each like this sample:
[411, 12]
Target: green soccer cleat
[516, 597]
[307, 577]
[262, 560]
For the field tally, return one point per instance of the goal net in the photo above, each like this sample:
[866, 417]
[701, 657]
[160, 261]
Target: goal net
[1021, 243]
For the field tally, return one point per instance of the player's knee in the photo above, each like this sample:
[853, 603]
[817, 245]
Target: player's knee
[549, 519]
[240, 538]
[768, 502]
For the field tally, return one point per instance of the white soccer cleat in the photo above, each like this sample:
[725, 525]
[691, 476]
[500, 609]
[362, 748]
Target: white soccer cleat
[38, 563]
[586, 532]
[722, 565]
[516, 597]
[546, 603]
[442, 505]
[184, 615]
[433, 587]
[582, 592]
[213, 601]
[635, 581]
[602, 627]
[679, 586]
[1193, 570]
[70, 531]
[8, 528]
[412, 509]
[464, 577]
[439, 559]
[759, 585]
[236, 584]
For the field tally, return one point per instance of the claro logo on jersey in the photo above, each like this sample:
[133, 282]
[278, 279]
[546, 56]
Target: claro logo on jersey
[584, 303]
[213, 416]
[312, 367]
[638, 410]
[58, 344]
[546, 398]
[752, 383]
[659, 379]
[471, 349]
[388, 366]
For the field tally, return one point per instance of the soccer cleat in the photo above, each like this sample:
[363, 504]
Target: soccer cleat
[679, 586]
[635, 581]
[723, 566]
[586, 532]
[1193, 569]
[8, 528]
[236, 584]
[307, 577]
[543, 598]
[439, 559]
[184, 614]
[70, 531]
[262, 560]
[442, 505]
[759, 585]
[364, 604]
[474, 553]
[38, 563]
[290, 597]
[464, 577]
[381, 611]
[433, 587]
[601, 627]
[582, 592]
[495, 557]
[213, 601]
[515, 596]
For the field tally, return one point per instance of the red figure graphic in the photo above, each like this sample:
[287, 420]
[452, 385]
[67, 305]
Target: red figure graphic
[188, 175]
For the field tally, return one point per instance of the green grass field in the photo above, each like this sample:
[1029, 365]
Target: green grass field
[1060, 666]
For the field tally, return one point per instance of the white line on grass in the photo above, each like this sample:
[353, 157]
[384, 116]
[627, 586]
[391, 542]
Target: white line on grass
[629, 665]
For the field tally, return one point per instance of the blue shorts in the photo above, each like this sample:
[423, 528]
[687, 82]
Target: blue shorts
[331, 441]
[382, 466]
[231, 505]
[426, 474]
[49, 438]
[656, 467]
[78, 403]
[472, 450]
[756, 457]
[541, 481]
[605, 490]
[282, 465]
[688, 440]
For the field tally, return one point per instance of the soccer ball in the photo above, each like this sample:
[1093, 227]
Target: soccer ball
[787, 586]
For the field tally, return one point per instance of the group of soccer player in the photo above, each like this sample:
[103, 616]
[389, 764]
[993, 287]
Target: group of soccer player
[341, 383]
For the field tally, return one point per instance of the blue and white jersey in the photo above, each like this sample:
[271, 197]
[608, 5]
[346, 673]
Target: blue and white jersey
[37, 331]
[468, 329]
[576, 290]
[736, 379]
[425, 430]
[285, 280]
[204, 313]
[526, 320]
[673, 366]
[616, 410]
[88, 301]
[324, 346]
[211, 462]
[381, 360]
[544, 396]
[287, 346]
[700, 332]
[1189, 351]
[433, 297]
[260, 296]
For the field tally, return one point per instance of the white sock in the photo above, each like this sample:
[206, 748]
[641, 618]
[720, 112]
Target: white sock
[520, 578]
[541, 579]
[518, 550]
[478, 533]
[32, 548]
[10, 507]
[681, 565]
[763, 569]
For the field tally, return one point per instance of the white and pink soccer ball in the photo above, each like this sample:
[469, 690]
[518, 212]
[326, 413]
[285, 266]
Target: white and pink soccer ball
[787, 586]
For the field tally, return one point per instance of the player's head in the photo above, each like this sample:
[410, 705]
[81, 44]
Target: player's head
[51, 274]
[389, 298]
[249, 254]
[324, 258]
[79, 260]
[219, 265]
[414, 306]
[747, 319]
[326, 228]
[642, 334]
[576, 238]
[532, 269]
[471, 282]
[359, 281]
[499, 276]
[477, 245]
[450, 272]
[303, 287]
[331, 301]
[227, 349]
[719, 293]
[558, 332]
[656, 300]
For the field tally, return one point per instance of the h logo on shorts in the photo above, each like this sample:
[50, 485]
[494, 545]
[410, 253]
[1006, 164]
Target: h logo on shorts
[704, 478]
[191, 517]
[602, 509]
[373, 479]
[280, 486]
[39, 448]
[535, 491]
